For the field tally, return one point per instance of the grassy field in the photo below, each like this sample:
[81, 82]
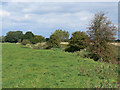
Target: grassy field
[28, 68]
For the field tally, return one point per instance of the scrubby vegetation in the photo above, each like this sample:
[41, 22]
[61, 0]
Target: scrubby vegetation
[29, 36]
[57, 37]
[77, 41]
[38, 39]
[25, 42]
[54, 41]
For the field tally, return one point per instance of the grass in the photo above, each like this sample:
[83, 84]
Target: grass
[32, 68]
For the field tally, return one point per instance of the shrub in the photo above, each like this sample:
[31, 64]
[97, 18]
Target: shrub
[63, 35]
[25, 41]
[13, 36]
[77, 41]
[38, 39]
[54, 41]
[29, 36]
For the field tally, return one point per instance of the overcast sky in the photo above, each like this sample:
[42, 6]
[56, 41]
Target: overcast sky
[43, 18]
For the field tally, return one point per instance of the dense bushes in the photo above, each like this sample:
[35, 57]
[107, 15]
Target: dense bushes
[54, 41]
[77, 41]
[29, 36]
[57, 37]
[33, 38]
[18, 36]
[38, 39]
[13, 36]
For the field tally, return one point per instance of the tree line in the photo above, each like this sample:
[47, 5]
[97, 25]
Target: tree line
[96, 40]
[18, 36]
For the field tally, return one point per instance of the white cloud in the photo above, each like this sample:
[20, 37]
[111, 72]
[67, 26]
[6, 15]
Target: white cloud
[46, 17]
[4, 13]
[27, 16]
[84, 18]
[26, 10]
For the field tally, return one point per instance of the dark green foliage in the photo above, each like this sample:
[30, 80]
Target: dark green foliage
[63, 35]
[38, 39]
[101, 32]
[77, 41]
[29, 36]
[54, 41]
[13, 36]
[25, 41]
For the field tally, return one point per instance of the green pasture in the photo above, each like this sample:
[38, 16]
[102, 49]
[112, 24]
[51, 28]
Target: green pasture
[32, 68]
